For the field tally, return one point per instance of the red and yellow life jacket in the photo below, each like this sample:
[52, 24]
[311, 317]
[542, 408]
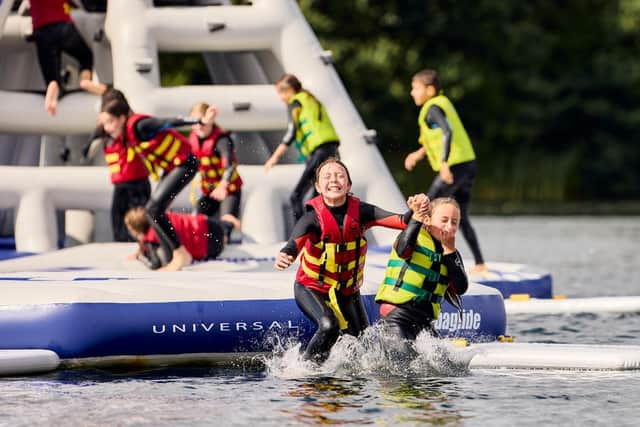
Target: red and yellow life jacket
[192, 230]
[165, 151]
[123, 163]
[210, 165]
[336, 262]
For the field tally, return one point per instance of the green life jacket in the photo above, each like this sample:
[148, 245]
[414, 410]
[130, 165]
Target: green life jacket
[422, 277]
[431, 139]
[313, 127]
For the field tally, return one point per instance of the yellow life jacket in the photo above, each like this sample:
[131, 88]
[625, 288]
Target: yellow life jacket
[422, 277]
[313, 127]
[431, 139]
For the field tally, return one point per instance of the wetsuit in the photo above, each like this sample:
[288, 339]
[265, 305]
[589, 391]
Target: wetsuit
[406, 320]
[178, 170]
[221, 151]
[55, 33]
[203, 237]
[464, 175]
[312, 300]
[317, 156]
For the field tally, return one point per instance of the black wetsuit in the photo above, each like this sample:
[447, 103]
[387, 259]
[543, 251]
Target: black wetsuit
[209, 206]
[312, 302]
[464, 175]
[171, 183]
[407, 320]
[319, 155]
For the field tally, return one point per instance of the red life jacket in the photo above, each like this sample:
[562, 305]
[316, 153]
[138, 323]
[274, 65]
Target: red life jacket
[192, 230]
[165, 151]
[337, 260]
[45, 12]
[211, 165]
[124, 165]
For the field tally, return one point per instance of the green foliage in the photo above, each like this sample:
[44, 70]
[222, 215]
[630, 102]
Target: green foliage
[548, 90]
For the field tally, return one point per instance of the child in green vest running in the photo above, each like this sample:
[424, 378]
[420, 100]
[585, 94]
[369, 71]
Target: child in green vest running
[424, 268]
[445, 143]
[311, 129]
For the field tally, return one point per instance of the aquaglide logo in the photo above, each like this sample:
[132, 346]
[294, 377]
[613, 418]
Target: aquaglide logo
[450, 321]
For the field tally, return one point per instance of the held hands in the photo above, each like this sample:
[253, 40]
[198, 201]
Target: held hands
[420, 205]
[283, 261]
[445, 173]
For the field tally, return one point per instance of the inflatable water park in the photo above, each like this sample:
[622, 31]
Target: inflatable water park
[71, 298]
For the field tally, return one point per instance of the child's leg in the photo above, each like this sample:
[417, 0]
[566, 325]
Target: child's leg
[313, 305]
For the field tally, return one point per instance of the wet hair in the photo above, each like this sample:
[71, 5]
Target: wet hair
[112, 93]
[117, 106]
[200, 108]
[443, 201]
[428, 78]
[332, 160]
[136, 219]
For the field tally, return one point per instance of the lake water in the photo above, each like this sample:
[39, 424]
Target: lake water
[586, 256]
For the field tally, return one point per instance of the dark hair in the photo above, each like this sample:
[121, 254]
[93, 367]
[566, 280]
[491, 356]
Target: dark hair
[289, 81]
[428, 77]
[332, 160]
[117, 106]
[112, 93]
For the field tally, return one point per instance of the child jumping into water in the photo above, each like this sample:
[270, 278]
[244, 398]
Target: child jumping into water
[448, 148]
[311, 129]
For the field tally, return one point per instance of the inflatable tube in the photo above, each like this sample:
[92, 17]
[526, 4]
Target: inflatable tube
[630, 304]
[555, 356]
[516, 279]
[20, 362]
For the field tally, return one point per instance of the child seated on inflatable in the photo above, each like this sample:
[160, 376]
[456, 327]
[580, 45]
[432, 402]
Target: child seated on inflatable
[203, 237]
[424, 268]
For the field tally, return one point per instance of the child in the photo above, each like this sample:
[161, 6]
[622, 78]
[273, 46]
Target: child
[330, 236]
[54, 33]
[424, 268]
[160, 148]
[448, 148]
[220, 183]
[310, 127]
[203, 237]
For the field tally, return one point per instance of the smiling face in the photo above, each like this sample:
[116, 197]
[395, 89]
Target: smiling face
[444, 220]
[420, 92]
[333, 184]
[113, 125]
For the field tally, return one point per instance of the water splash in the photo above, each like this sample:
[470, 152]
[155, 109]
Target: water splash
[375, 352]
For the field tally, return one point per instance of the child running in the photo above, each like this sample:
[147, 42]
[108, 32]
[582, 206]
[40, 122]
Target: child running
[219, 180]
[330, 237]
[159, 147]
[448, 148]
[424, 268]
[311, 129]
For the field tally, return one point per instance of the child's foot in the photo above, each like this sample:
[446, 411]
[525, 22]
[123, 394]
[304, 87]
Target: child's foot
[479, 268]
[181, 258]
[92, 87]
[51, 98]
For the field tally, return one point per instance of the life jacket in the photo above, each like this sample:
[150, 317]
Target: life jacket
[192, 230]
[422, 277]
[336, 262]
[431, 139]
[313, 127]
[123, 163]
[166, 150]
[210, 165]
[45, 12]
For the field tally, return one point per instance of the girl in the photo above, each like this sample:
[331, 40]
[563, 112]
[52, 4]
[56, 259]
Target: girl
[424, 267]
[160, 148]
[310, 127]
[220, 183]
[448, 148]
[330, 236]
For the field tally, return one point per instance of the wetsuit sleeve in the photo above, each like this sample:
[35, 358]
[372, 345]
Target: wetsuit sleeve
[406, 241]
[371, 215]
[293, 111]
[149, 256]
[436, 118]
[455, 270]
[306, 228]
[149, 127]
[224, 146]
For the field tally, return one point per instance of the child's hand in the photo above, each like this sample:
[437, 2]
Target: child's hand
[220, 192]
[445, 173]
[446, 237]
[283, 261]
[410, 161]
[270, 163]
[209, 115]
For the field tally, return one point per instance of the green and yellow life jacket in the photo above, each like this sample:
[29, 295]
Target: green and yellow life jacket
[313, 127]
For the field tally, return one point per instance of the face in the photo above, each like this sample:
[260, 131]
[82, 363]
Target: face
[198, 128]
[333, 184]
[444, 221]
[284, 93]
[113, 125]
[420, 92]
